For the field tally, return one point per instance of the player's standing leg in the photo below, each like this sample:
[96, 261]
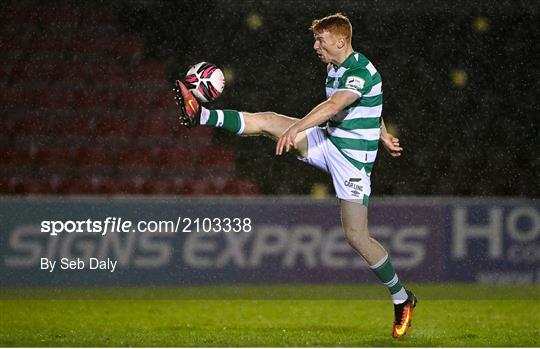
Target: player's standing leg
[354, 219]
[353, 215]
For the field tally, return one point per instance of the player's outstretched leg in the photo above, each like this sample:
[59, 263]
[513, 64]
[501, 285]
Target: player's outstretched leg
[354, 220]
[246, 124]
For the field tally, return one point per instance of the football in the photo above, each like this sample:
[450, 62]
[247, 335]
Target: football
[206, 81]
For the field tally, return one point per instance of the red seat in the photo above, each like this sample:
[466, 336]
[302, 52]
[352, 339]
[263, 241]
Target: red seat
[199, 187]
[136, 160]
[141, 100]
[15, 158]
[70, 73]
[81, 185]
[177, 160]
[53, 98]
[89, 99]
[72, 126]
[216, 160]
[216, 155]
[5, 187]
[14, 40]
[202, 134]
[158, 127]
[95, 159]
[16, 99]
[5, 70]
[163, 102]
[31, 127]
[87, 44]
[148, 72]
[5, 130]
[115, 129]
[236, 186]
[54, 158]
[123, 185]
[204, 186]
[39, 73]
[107, 73]
[31, 185]
[101, 185]
[127, 46]
[79, 43]
[46, 44]
[20, 15]
[162, 186]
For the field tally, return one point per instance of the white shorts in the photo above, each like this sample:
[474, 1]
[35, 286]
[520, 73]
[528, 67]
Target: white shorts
[350, 183]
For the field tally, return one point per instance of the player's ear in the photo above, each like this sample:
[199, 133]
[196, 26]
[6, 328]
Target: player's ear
[341, 43]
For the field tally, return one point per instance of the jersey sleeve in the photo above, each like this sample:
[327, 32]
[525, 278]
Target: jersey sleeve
[356, 80]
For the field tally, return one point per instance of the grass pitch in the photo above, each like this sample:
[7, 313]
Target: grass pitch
[447, 315]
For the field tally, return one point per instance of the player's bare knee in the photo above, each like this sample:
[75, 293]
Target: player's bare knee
[356, 236]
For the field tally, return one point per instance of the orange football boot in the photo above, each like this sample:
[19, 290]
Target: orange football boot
[403, 315]
[190, 110]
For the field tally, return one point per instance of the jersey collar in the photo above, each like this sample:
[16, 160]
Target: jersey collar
[345, 62]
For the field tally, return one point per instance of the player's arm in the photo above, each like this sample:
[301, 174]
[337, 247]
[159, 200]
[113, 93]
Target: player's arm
[390, 142]
[321, 113]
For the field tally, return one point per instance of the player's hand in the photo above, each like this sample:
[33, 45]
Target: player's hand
[391, 144]
[286, 140]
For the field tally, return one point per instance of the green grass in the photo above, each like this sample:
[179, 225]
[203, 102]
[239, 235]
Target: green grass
[453, 321]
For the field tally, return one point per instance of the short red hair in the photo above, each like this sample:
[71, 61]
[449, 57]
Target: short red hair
[336, 24]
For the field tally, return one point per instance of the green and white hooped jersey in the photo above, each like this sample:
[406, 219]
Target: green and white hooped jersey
[355, 131]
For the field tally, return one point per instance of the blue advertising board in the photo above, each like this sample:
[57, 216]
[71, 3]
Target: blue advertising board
[492, 243]
[184, 241]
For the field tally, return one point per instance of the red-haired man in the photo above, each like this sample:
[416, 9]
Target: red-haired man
[346, 147]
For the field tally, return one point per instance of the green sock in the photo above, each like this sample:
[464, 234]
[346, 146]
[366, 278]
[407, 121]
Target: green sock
[386, 273]
[230, 120]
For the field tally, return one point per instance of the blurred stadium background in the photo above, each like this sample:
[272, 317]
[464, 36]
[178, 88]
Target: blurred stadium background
[86, 107]
[88, 129]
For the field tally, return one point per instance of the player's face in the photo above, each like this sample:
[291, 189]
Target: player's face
[326, 46]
